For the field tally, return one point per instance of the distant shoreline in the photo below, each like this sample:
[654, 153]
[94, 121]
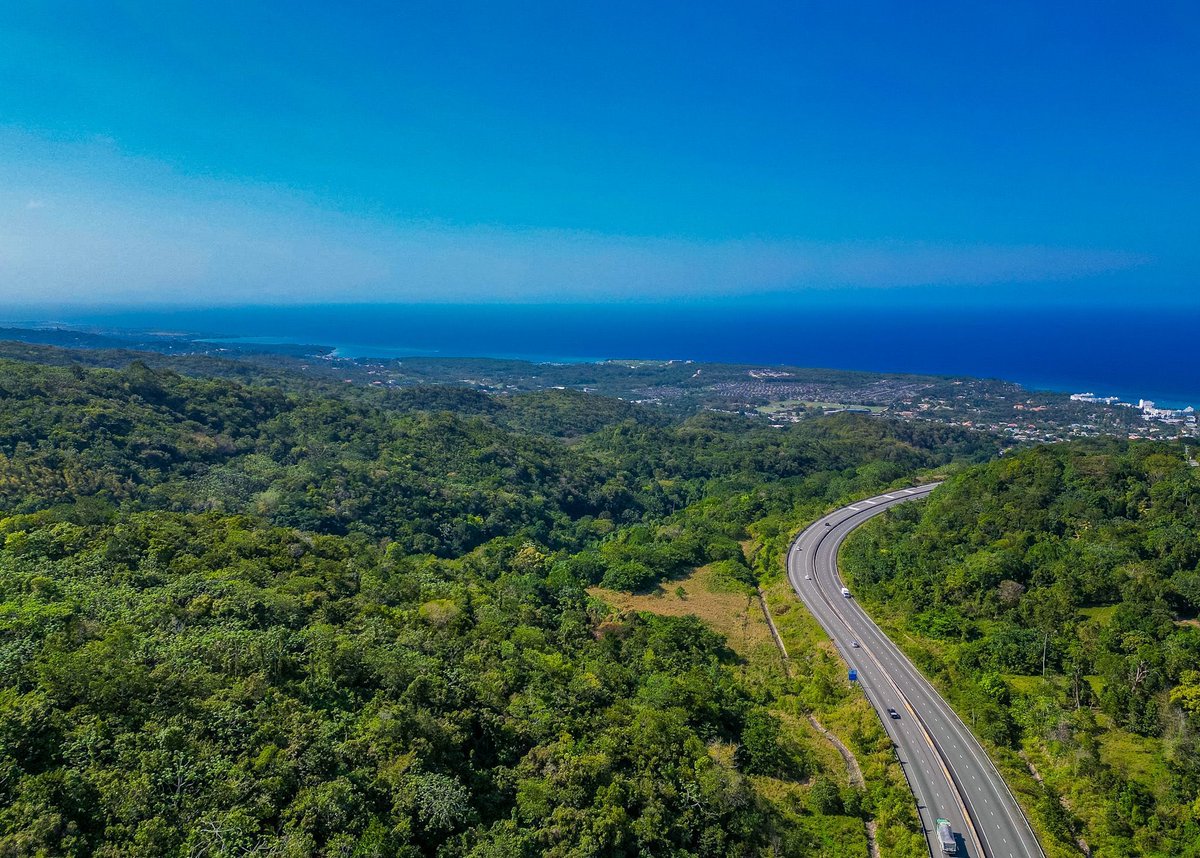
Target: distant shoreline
[1102, 391]
[1129, 352]
[360, 351]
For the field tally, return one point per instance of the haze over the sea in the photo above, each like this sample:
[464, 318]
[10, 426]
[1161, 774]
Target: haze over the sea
[1002, 189]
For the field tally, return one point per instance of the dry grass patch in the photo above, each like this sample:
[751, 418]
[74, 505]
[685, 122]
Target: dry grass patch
[734, 613]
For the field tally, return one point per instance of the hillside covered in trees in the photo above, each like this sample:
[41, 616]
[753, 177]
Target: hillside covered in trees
[259, 620]
[1055, 595]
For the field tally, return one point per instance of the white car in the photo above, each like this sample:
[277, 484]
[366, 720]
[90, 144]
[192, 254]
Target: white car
[854, 644]
[807, 577]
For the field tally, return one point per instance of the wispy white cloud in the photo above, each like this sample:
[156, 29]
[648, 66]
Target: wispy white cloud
[122, 230]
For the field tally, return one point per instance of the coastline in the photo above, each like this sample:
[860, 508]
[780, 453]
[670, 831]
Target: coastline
[1133, 353]
[364, 351]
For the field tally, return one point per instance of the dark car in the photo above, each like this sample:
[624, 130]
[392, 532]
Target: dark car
[829, 524]
[893, 713]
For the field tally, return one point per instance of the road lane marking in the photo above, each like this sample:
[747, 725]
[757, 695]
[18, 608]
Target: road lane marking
[978, 757]
[904, 666]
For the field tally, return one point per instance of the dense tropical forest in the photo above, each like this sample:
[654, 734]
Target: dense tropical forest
[279, 620]
[1054, 593]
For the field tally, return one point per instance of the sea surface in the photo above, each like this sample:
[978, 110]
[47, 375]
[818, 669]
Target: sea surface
[1132, 353]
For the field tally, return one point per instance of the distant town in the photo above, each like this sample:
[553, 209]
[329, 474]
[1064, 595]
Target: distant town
[1146, 406]
[779, 395]
[1002, 407]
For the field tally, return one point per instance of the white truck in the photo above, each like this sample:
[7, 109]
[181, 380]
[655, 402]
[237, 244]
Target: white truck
[845, 593]
[946, 837]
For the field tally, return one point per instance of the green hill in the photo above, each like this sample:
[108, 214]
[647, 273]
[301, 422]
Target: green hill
[1054, 594]
[279, 620]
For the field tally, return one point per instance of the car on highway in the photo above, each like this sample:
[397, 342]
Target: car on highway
[807, 577]
[960, 783]
[854, 644]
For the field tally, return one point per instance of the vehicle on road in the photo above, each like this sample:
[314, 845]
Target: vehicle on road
[960, 779]
[854, 644]
[946, 837]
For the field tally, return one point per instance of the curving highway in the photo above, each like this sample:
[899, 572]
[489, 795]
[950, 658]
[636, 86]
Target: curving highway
[949, 773]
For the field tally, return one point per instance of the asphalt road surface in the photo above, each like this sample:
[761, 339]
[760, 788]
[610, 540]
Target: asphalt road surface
[950, 774]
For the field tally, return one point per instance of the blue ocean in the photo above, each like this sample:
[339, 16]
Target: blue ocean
[1126, 352]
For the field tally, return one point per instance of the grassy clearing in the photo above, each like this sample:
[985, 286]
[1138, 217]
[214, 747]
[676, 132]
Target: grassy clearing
[792, 404]
[819, 685]
[1100, 616]
[1021, 684]
[1131, 755]
[732, 611]
[1137, 758]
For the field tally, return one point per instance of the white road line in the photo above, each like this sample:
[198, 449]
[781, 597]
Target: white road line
[921, 689]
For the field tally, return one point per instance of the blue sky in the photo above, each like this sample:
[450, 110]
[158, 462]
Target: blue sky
[247, 152]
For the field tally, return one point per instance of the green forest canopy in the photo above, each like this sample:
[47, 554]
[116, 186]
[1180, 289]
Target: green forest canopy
[239, 620]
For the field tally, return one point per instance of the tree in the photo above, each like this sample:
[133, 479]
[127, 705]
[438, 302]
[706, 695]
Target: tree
[824, 798]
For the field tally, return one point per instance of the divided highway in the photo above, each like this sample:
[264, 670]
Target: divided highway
[949, 773]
